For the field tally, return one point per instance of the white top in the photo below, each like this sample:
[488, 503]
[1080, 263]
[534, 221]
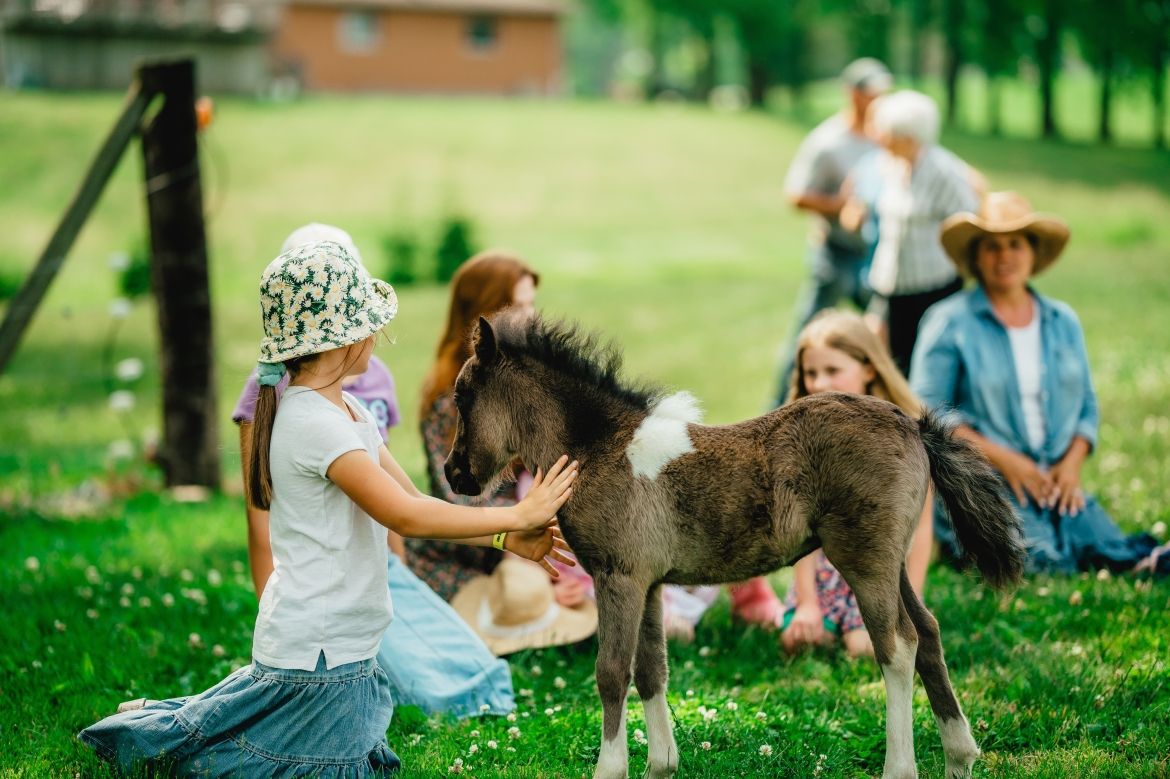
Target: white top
[911, 207]
[1029, 360]
[821, 165]
[328, 592]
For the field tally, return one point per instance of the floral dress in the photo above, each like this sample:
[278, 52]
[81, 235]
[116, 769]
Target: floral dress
[445, 566]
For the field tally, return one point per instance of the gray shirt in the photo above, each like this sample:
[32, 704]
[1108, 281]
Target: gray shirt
[821, 165]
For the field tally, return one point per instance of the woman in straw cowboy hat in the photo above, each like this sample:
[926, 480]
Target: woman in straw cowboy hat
[1012, 365]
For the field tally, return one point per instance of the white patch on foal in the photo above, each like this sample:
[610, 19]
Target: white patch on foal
[959, 747]
[663, 435]
[659, 732]
[614, 760]
[899, 677]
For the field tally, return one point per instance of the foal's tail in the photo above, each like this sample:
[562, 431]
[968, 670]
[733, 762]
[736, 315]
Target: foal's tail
[987, 526]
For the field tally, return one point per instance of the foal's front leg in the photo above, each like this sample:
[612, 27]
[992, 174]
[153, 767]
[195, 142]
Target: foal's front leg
[650, 675]
[620, 601]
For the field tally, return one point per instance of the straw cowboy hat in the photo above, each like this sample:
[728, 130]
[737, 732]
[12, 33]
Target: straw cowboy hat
[514, 609]
[1001, 213]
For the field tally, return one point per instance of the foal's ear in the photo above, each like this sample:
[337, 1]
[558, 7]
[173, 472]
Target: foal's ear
[485, 341]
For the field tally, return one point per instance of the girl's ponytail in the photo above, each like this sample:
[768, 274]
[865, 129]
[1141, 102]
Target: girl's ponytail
[259, 472]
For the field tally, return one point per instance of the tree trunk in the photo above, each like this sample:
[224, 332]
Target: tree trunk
[1158, 89]
[993, 113]
[189, 452]
[759, 79]
[919, 22]
[1104, 127]
[1048, 56]
[954, 60]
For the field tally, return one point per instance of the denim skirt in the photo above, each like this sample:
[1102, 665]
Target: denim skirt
[261, 722]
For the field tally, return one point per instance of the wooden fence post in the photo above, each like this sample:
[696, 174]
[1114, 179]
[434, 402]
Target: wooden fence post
[189, 451]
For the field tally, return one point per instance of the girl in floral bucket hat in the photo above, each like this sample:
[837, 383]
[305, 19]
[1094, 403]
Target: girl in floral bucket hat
[314, 701]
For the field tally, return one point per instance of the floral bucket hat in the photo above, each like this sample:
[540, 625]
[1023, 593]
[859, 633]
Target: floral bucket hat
[316, 297]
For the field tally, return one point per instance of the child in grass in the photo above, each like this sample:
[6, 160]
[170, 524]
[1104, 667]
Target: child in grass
[837, 352]
[314, 700]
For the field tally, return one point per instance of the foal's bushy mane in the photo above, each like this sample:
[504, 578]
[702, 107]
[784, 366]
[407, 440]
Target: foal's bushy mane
[568, 349]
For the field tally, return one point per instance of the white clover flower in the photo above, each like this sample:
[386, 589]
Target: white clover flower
[484, 708]
[415, 738]
[92, 575]
[475, 734]
[120, 308]
[194, 641]
[37, 664]
[536, 670]
[492, 745]
[186, 575]
[129, 369]
[136, 572]
[548, 712]
[1043, 592]
[708, 714]
[218, 651]
[91, 613]
[127, 589]
[639, 736]
[32, 564]
[144, 602]
[704, 651]
[732, 706]
[167, 599]
[525, 692]
[124, 602]
[690, 693]
[471, 750]
[118, 261]
[1159, 529]
[706, 745]
[511, 716]
[120, 449]
[214, 578]
[513, 732]
[121, 401]
[511, 749]
[59, 626]
[1103, 575]
[761, 716]
[765, 749]
[689, 664]
[559, 683]
[1076, 598]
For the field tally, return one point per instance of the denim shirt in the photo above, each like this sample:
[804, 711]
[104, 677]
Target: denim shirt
[963, 363]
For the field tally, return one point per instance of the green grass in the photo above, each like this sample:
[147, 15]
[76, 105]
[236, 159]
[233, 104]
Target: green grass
[662, 226]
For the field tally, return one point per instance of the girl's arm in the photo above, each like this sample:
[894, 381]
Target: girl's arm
[259, 544]
[417, 516]
[918, 560]
[807, 625]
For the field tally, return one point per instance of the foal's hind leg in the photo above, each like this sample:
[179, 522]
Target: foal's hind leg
[620, 601]
[874, 580]
[650, 675]
[958, 745]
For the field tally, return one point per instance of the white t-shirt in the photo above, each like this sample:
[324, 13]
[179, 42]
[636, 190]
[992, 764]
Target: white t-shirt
[328, 592]
[1029, 360]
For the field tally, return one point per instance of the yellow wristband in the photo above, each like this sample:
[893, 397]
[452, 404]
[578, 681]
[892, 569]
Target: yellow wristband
[498, 540]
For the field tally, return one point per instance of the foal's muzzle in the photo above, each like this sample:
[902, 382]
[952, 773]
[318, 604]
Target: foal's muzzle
[458, 472]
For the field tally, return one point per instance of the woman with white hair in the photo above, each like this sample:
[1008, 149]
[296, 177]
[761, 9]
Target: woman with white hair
[911, 185]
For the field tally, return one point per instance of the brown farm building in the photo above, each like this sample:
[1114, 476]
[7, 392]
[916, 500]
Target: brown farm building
[451, 46]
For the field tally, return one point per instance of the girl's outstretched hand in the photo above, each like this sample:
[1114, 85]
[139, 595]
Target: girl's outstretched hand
[548, 493]
[543, 545]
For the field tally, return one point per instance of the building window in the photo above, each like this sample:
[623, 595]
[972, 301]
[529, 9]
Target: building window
[482, 33]
[358, 31]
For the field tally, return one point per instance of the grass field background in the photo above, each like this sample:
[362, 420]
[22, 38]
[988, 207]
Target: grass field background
[662, 226]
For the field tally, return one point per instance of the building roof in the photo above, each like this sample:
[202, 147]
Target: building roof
[514, 7]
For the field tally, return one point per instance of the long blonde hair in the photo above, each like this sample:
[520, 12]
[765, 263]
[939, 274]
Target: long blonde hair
[847, 332]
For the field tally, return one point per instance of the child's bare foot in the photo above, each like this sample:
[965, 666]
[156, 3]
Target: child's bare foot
[678, 629]
[569, 593]
[857, 643]
[756, 603]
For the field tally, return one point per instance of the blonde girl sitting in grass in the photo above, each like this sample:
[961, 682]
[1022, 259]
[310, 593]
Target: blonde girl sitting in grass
[837, 352]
